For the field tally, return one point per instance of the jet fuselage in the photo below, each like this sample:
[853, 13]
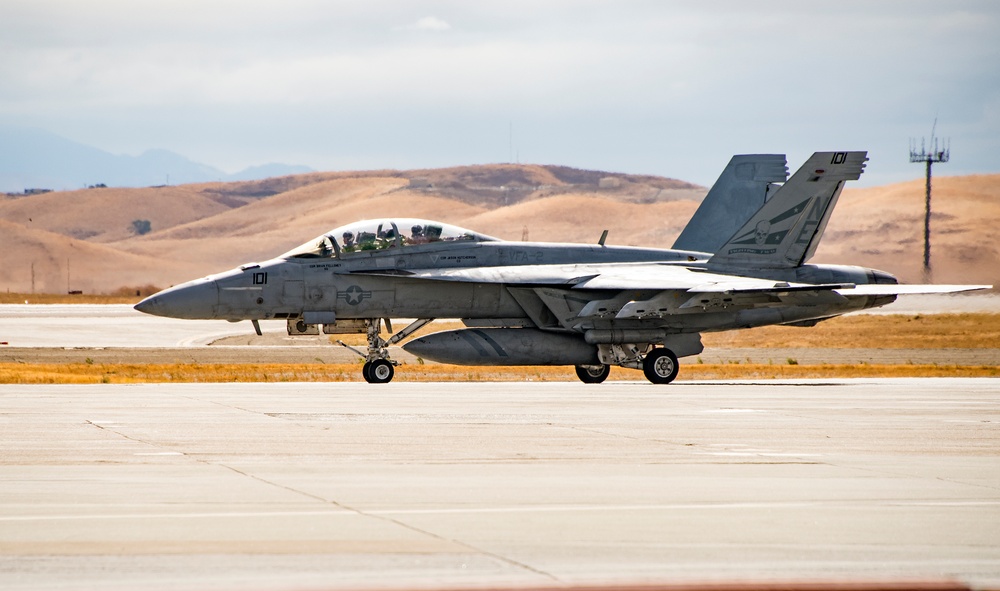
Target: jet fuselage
[366, 285]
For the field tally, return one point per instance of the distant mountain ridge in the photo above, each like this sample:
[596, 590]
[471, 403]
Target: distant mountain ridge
[32, 158]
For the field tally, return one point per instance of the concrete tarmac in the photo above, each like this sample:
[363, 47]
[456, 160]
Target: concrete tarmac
[292, 486]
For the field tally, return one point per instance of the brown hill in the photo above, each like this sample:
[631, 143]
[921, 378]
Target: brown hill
[60, 263]
[197, 229]
[267, 228]
[106, 214]
[575, 217]
[103, 215]
[506, 184]
[883, 227]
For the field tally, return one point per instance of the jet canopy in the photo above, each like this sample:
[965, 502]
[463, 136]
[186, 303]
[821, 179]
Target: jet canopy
[375, 235]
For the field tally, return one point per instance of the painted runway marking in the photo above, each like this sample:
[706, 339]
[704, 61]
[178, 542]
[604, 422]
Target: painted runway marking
[756, 454]
[499, 510]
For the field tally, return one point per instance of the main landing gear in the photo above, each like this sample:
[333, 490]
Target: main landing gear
[592, 374]
[659, 366]
[378, 368]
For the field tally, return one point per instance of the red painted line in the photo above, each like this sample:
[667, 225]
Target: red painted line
[844, 585]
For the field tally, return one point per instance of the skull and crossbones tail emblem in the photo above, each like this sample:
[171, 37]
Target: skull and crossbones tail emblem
[762, 231]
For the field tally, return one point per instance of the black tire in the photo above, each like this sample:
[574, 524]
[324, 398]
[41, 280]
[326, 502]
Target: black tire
[364, 371]
[660, 366]
[380, 372]
[592, 374]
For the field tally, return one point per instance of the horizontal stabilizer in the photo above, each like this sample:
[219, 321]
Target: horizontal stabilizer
[878, 289]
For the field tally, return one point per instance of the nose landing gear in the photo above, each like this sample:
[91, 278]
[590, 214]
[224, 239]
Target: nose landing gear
[378, 368]
[379, 371]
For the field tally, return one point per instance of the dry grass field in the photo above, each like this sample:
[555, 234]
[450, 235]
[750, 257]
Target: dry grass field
[864, 331]
[82, 373]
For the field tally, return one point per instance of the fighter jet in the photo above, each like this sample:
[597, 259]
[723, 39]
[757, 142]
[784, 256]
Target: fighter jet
[740, 262]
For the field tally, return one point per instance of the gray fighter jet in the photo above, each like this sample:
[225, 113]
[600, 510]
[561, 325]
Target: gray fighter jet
[740, 263]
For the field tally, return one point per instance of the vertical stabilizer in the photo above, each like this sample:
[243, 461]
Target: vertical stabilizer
[741, 190]
[784, 232]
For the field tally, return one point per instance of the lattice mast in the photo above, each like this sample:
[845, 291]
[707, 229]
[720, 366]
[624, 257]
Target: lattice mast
[936, 153]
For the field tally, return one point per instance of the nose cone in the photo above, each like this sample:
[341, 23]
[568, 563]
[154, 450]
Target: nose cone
[197, 299]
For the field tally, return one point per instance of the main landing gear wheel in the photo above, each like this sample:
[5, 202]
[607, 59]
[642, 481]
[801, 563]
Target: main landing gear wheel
[592, 374]
[379, 371]
[660, 366]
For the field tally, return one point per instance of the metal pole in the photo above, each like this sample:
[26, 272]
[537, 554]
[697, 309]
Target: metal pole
[928, 158]
[927, 225]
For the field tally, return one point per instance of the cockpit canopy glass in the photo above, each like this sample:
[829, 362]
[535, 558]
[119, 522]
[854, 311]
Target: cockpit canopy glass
[375, 235]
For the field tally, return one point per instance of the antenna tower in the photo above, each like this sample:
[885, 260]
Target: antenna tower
[934, 154]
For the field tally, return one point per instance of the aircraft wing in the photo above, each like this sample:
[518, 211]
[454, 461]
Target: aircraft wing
[658, 276]
[625, 276]
[636, 290]
[676, 288]
[599, 276]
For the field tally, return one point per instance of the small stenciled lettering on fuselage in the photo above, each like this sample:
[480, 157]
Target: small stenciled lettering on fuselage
[521, 257]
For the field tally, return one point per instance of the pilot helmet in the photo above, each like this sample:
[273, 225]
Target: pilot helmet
[348, 235]
[417, 229]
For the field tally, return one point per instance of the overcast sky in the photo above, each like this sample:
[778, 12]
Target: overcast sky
[655, 87]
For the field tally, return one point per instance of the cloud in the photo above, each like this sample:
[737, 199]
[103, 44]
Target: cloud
[427, 23]
[641, 86]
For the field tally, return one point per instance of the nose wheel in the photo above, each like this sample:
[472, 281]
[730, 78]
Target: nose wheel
[379, 371]
[378, 368]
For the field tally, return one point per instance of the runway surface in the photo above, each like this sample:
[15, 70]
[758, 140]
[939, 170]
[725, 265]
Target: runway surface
[278, 486]
[114, 325]
[96, 325]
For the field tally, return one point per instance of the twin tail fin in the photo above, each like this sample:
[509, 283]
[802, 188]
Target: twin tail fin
[743, 187]
[785, 232]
